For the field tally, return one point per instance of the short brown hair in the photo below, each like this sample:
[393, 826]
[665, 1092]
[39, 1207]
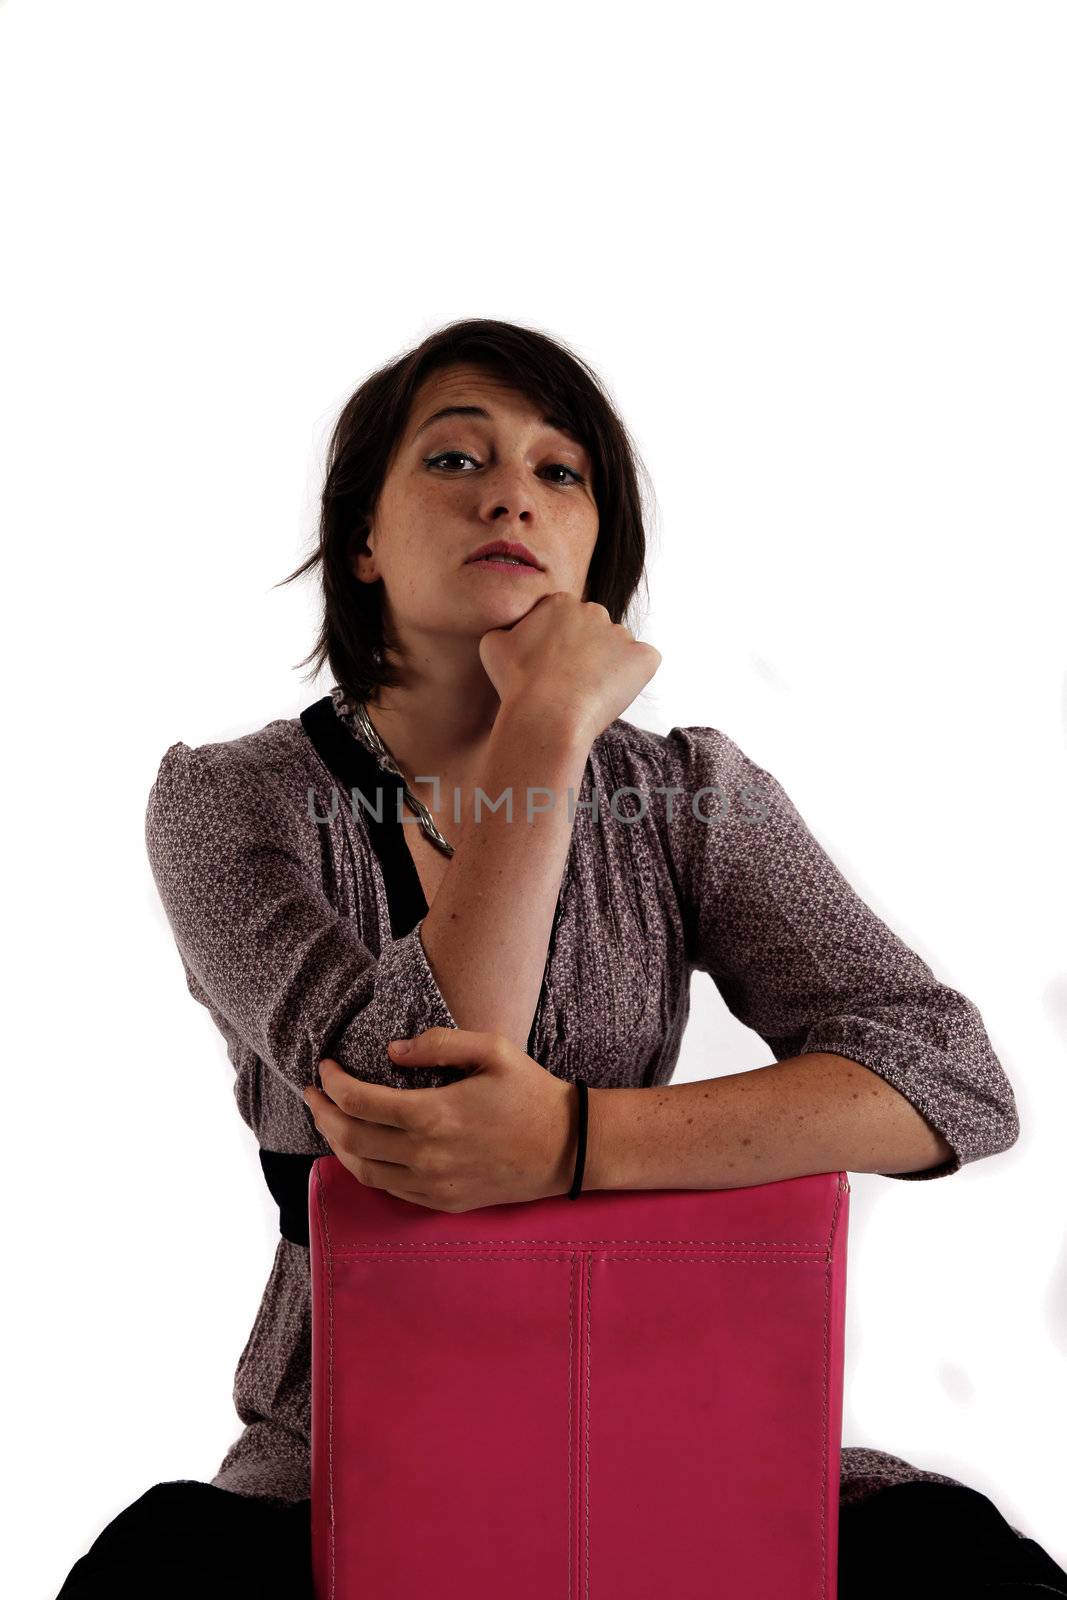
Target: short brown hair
[360, 451]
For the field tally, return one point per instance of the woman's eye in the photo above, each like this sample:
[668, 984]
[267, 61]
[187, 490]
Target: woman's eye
[561, 466]
[461, 455]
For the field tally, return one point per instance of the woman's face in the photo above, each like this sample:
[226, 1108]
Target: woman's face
[459, 481]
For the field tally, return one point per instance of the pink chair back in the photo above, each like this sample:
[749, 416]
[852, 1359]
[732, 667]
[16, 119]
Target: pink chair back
[632, 1394]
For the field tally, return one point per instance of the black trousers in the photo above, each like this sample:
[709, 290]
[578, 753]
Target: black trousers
[186, 1540]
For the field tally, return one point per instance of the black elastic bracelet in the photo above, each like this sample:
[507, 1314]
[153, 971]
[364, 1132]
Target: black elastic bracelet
[583, 1124]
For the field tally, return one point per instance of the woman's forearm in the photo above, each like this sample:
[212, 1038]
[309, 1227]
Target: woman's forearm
[818, 1112]
[486, 933]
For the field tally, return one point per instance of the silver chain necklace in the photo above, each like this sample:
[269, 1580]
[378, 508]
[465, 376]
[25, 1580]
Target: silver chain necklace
[355, 711]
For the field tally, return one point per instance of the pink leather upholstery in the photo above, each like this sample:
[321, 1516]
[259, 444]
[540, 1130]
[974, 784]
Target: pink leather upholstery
[630, 1396]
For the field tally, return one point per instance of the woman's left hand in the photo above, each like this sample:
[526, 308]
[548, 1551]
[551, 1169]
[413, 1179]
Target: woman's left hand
[502, 1134]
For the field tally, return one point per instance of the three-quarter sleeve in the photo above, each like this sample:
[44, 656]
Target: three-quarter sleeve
[800, 958]
[238, 866]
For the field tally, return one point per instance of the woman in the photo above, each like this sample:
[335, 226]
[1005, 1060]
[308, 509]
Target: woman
[316, 934]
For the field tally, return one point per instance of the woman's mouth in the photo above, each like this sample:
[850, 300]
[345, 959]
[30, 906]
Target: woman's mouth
[502, 564]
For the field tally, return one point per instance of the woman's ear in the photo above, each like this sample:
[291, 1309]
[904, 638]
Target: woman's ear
[361, 555]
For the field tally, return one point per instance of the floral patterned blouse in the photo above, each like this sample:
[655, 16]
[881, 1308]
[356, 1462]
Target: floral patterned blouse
[279, 900]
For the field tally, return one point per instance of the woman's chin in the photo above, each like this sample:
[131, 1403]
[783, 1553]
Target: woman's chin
[497, 605]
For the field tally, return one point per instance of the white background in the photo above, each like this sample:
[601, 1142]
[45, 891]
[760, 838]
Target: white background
[817, 253]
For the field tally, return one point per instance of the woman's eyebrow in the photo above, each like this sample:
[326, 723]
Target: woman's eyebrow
[480, 411]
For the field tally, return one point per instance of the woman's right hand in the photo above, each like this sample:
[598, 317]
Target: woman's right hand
[566, 659]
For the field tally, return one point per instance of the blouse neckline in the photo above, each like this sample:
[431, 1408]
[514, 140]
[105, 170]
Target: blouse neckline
[356, 767]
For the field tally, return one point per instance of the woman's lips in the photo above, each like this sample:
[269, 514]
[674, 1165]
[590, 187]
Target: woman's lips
[498, 564]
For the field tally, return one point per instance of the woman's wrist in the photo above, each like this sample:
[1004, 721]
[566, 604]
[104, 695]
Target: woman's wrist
[557, 730]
